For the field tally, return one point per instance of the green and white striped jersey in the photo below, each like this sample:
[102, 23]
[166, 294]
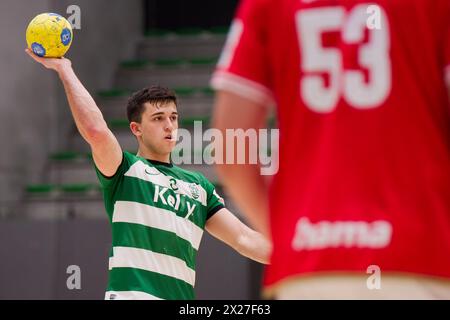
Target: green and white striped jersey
[158, 213]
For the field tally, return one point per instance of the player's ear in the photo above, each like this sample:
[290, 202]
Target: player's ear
[135, 128]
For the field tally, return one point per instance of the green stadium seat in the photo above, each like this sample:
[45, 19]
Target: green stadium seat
[40, 189]
[46, 189]
[113, 93]
[118, 124]
[189, 121]
[168, 62]
[185, 91]
[134, 63]
[202, 61]
[220, 30]
[65, 156]
[78, 189]
[207, 91]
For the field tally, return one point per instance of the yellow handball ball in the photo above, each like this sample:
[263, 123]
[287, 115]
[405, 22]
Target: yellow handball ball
[49, 35]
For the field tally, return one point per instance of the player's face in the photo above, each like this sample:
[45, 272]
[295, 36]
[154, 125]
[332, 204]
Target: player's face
[157, 130]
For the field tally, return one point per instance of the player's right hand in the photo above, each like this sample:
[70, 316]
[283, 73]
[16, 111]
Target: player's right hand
[57, 64]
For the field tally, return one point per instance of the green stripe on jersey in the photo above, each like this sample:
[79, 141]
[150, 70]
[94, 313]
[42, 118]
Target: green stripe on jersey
[138, 236]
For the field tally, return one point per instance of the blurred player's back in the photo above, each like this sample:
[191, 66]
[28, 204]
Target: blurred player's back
[364, 178]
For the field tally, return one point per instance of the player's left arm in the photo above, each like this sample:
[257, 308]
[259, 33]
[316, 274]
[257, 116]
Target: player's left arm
[244, 182]
[226, 227]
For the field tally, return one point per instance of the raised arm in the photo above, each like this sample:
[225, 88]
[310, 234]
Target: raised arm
[228, 228]
[89, 120]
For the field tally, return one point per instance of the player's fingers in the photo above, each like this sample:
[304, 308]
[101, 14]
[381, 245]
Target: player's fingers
[32, 55]
[27, 50]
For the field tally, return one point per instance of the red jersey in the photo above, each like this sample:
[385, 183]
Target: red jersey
[364, 119]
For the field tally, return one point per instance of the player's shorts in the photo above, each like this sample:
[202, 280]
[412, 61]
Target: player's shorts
[347, 287]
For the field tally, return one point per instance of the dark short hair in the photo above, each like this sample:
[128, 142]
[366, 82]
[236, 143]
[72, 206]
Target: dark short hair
[155, 94]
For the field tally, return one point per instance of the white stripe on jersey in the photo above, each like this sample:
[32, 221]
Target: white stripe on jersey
[127, 257]
[143, 171]
[150, 216]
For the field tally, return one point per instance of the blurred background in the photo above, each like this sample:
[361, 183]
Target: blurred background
[51, 210]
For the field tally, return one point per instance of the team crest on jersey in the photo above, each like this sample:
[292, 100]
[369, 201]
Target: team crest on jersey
[194, 191]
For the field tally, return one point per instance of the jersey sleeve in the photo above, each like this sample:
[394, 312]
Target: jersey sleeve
[243, 67]
[111, 182]
[214, 202]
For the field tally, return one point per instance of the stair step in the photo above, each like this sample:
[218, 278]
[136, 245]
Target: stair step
[39, 189]
[219, 30]
[203, 61]
[186, 32]
[56, 209]
[169, 62]
[184, 75]
[123, 124]
[182, 44]
[77, 173]
[75, 157]
[184, 122]
[190, 31]
[114, 93]
[70, 156]
[191, 102]
[179, 91]
[78, 188]
[56, 191]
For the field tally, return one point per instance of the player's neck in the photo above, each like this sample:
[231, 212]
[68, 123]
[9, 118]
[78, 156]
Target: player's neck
[147, 154]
